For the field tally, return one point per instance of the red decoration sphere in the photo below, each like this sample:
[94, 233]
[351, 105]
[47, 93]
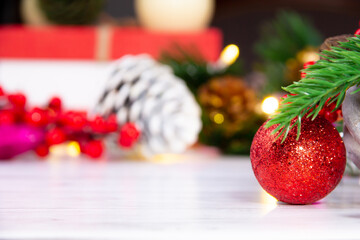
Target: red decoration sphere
[98, 124]
[299, 171]
[17, 99]
[37, 117]
[55, 136]
[74, 120]
[94, 148]
[128, 136]
[111, 125]
[331, 116]
[6, 117]
[42, 150]
[305, 66]
[55, 103]
[329, 112]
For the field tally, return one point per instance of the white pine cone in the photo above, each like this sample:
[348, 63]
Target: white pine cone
[144, 92]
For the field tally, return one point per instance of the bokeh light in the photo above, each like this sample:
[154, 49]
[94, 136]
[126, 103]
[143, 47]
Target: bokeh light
[270, 105]
[230, 54]
[73, 149]
[218, 118]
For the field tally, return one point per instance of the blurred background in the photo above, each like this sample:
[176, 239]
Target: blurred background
[233, 55]
[239, 20]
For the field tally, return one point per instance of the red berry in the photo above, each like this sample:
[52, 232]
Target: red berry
[330, 106]
[18, 100]
[286, 96]
[98, 125]
[52, 115]
[75, 120]
[129, 134]
[42, 150]
[94, 148]
[55, 103]
[55, 136]
[82, 145]
[322, 112]
[79, 120]
[6, 117]
[2, 93]
[37, 117]
[331, 116]
[357, 32]
[111, 125]
[305, 66]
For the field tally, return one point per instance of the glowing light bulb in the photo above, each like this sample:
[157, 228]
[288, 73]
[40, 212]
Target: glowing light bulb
[270, 105]
[229, 55]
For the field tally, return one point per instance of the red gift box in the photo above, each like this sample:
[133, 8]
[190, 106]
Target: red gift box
[100, 43]
[136, 41]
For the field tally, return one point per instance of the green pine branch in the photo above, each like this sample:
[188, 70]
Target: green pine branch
[283, 37]
[329, 78]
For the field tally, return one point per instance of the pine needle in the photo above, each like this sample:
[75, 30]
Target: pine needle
[329, 78]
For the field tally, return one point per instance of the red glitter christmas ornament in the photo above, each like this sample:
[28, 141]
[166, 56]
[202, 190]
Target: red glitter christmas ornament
[299, 171]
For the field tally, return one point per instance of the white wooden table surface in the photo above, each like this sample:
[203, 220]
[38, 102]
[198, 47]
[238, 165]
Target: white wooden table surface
[202, 198]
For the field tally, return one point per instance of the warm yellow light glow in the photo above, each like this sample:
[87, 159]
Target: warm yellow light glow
[229, 54]
[218, 118]
[270, 105]
[307, 55]
[216, 101]
[167, 158]
[57, 150]
[73, 149]
[268, 202]
[310, 56]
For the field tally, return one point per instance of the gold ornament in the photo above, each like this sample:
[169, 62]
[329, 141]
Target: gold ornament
[228, 102]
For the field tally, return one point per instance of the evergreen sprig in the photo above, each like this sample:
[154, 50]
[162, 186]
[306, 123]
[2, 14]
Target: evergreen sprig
[328, 78]
[280, 42]
[283, 37]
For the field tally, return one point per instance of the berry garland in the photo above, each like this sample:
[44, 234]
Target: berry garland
[60, 125]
